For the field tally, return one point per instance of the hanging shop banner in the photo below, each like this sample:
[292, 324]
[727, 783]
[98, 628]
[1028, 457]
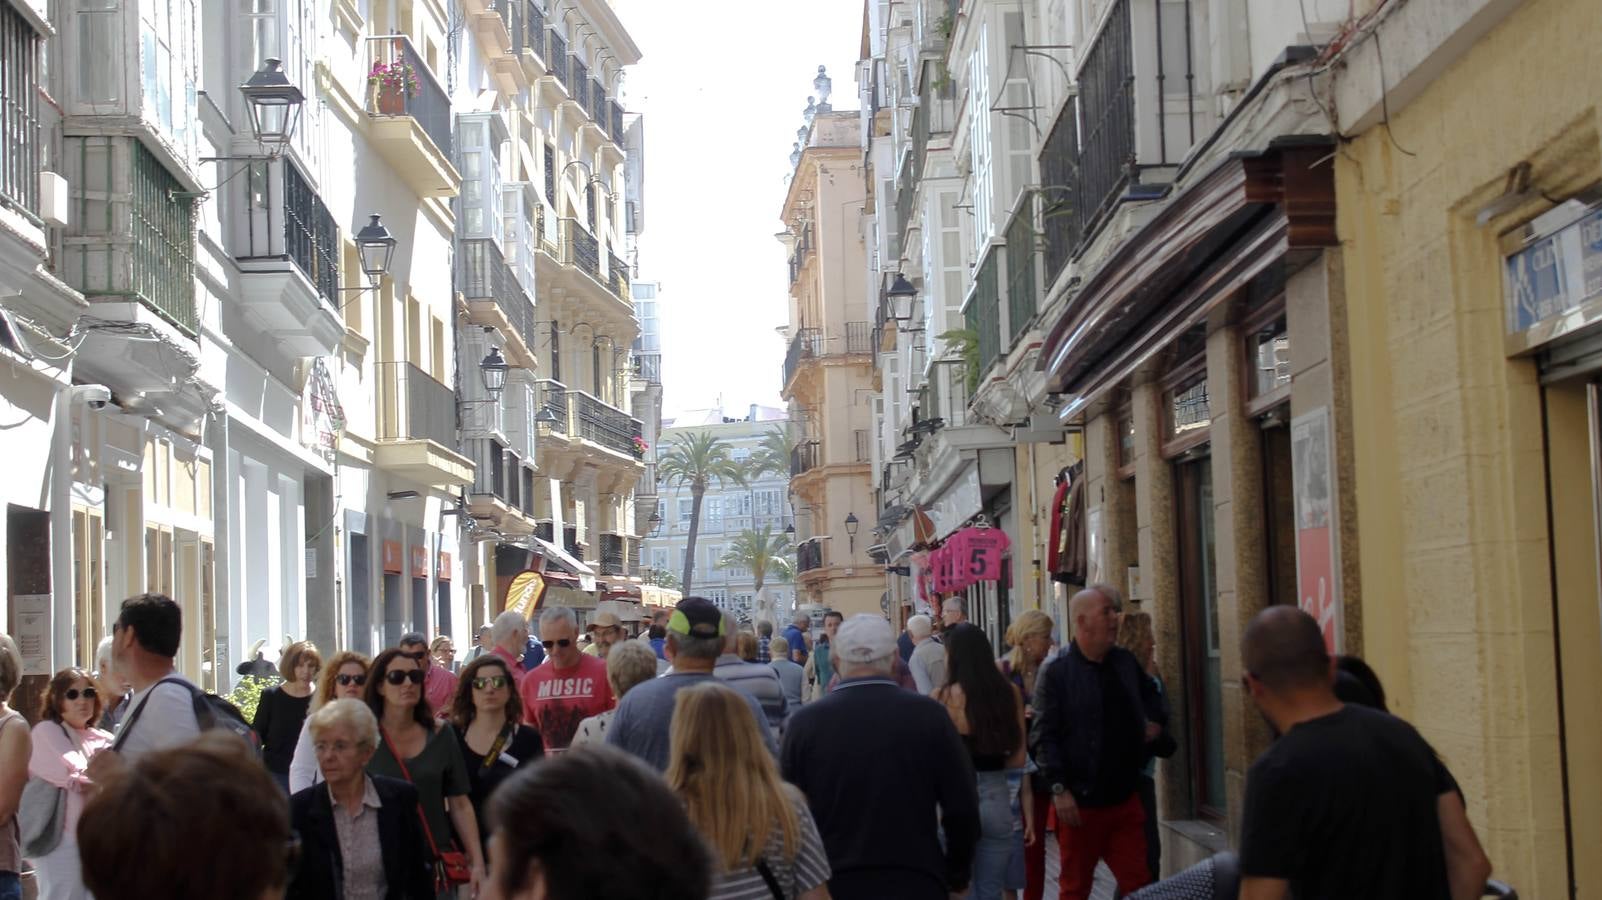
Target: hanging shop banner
[419, 561]
[524, 592]
[443, 566]
[392, 557]
[322, 419]
[1317, 564]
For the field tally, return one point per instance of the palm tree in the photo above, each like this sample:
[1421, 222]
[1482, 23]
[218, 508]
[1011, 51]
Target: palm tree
[764, 553]
[773, 454]
[697, 459]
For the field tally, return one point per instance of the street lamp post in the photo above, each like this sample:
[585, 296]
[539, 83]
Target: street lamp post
[274, 104]
[851, 526]
[376, 247]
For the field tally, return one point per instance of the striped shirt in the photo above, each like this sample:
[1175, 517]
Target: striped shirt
[761, 682]
[807, 870]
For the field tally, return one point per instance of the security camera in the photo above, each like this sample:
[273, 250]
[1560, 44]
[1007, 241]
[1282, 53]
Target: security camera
[95, 396]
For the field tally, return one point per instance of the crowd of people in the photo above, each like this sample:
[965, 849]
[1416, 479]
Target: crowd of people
[704, 760]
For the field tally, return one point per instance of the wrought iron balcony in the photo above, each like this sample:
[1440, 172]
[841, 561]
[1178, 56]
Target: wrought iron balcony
[482, 274]
[804, 458]
[20, 137]
[614, 555]
[648, 366]
[532, 30]
[402, 85]
[597, 108]
[583, 250]
[983, 315]
[580, 85]
[603, 424]
[807, 344]
[803, 247]
[808, 556]
[858, 338]
[558, 59]
[285, 218]
[616, 111]
[619, 275]
[496, 470]
[1021, 285]
[1132, 121]
[413, 406]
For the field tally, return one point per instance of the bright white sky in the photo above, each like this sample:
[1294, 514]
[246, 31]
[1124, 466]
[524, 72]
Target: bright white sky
[721, 107]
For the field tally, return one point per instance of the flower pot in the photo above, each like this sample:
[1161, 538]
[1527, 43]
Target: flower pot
[391, 100]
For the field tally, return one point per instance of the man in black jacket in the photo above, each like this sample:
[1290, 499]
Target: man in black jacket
[1096, 717]
[883, 769]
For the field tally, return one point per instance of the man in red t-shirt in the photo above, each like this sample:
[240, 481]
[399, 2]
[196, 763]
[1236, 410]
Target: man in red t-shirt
[568, 688]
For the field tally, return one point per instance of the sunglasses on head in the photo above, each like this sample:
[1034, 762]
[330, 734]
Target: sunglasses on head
[492, 681]
[74, 693]
[396, 676]
[357, 680]
[563, 642]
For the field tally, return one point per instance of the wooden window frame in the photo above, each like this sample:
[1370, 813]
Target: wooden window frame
[1180, 378]
[1255, 403]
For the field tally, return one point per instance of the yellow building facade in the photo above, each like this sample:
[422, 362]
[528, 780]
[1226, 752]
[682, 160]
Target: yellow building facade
[1474, 463]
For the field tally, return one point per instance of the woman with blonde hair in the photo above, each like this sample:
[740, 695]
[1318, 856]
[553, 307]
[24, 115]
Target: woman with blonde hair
[1135, 635]
[759, 829]
[281, 712]
[1030, 638]
[630, 663]
[345, 677]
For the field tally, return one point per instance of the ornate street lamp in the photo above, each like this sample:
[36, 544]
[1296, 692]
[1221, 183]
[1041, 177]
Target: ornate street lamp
[376, 246]
[493, 371]
[851, 526]
[274, 104]
[900, 295]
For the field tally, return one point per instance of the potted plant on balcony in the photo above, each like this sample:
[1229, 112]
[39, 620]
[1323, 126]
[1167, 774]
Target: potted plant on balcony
[392, 83]
[640, 446]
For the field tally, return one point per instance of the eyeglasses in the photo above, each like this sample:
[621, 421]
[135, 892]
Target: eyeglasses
[494, 681]
[87, 693]
[396, 676]
[564, 642]
[336, 746]
[357, 680]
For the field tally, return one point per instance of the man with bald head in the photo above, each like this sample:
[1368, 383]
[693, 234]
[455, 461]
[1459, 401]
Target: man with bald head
[1349, 801]
[1096, 716]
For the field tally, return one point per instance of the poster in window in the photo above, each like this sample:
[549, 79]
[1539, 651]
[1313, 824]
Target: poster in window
[1317, 569]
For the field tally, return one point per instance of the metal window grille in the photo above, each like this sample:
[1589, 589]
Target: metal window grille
[311, 238]
[163, 252]
[558, 58]
[550, 174]
[1021, 287]
[581, 85]
[20, 139]
[987, 308]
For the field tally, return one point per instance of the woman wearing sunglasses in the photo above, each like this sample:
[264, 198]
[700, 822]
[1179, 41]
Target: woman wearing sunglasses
[63, 741]
[487, 716]
[416, 748]
[345, 677]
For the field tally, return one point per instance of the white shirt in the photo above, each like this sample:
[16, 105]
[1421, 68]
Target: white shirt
[168, 719]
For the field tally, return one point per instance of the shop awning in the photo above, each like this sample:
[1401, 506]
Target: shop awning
[1245, 215]
[566, 560]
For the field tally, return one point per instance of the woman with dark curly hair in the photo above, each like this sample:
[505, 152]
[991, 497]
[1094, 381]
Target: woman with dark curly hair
[487, 718]
[63, 741]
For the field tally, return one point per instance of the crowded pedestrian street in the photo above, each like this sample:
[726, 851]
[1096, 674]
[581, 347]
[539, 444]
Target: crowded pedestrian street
[844, 450]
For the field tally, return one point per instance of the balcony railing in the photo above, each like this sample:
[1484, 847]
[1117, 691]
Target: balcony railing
[807, 344]
[619, 275]
[20, 139]
[809, 556]
[803, 247]
[163, 252]
[648, 366]
[984, 310]
[1137, 113]
[858, 338]
[1021, 270]
[804, 458]
[419, 96]
[583, 250]
[482, 274]
[580, 85]
[284, 217]
[533, 28]
[616, 110]
[553, 399]
[495, 469]
[598, 104]
[558, 58]
[603, 424]
[614, 555]
[413, 406]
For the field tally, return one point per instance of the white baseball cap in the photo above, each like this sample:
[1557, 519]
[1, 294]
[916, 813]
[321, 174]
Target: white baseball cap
[864, 638]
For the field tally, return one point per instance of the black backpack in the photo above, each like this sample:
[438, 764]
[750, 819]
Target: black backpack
[211, 713]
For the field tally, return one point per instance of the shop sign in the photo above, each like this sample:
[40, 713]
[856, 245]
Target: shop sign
[524, 592]
[392, 557]
[1317, 569]
[31, 628]
[1552, 285]
[443, 566]
[419, 561]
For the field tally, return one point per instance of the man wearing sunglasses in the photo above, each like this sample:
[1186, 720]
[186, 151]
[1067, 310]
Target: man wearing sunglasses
[569, 688]
[439, 685]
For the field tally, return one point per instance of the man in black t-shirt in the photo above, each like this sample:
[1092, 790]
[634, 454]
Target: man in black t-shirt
[1350, 801]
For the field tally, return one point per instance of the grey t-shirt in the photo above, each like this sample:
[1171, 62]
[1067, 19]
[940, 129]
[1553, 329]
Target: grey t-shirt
[645, 716]
[790, 675]
[928, 665]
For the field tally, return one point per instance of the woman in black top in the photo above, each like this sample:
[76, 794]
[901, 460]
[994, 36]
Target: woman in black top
[281, 711]
[988, 711]
[487, 715]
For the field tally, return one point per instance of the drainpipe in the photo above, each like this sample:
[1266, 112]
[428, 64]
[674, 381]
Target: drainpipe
[63, 607]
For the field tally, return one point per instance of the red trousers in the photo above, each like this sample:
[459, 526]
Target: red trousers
[1115, 834]
[1035, 854]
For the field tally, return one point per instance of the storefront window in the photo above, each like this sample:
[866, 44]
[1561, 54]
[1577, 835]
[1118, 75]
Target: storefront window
[1268, 352]
[1199, 623]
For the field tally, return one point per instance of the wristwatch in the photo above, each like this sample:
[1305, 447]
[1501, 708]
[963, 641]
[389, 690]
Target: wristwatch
[1058, 789]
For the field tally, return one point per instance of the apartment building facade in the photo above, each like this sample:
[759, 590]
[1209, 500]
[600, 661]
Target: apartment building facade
[727, 511]
[828, 370]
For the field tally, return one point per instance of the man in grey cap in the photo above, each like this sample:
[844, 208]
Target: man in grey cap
[870, 738]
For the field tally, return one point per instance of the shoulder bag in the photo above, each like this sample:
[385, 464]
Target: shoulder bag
[450, 866]
[42, 813]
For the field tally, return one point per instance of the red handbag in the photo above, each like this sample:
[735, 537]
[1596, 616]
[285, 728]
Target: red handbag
[450, 866]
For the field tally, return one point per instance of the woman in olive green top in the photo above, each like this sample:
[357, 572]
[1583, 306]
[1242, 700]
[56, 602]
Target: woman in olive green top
[433, 762]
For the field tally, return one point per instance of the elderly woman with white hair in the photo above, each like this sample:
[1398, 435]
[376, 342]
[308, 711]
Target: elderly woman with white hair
[113, 688]
[360, 834]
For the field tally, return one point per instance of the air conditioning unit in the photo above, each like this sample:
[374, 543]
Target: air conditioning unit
[54, 199]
